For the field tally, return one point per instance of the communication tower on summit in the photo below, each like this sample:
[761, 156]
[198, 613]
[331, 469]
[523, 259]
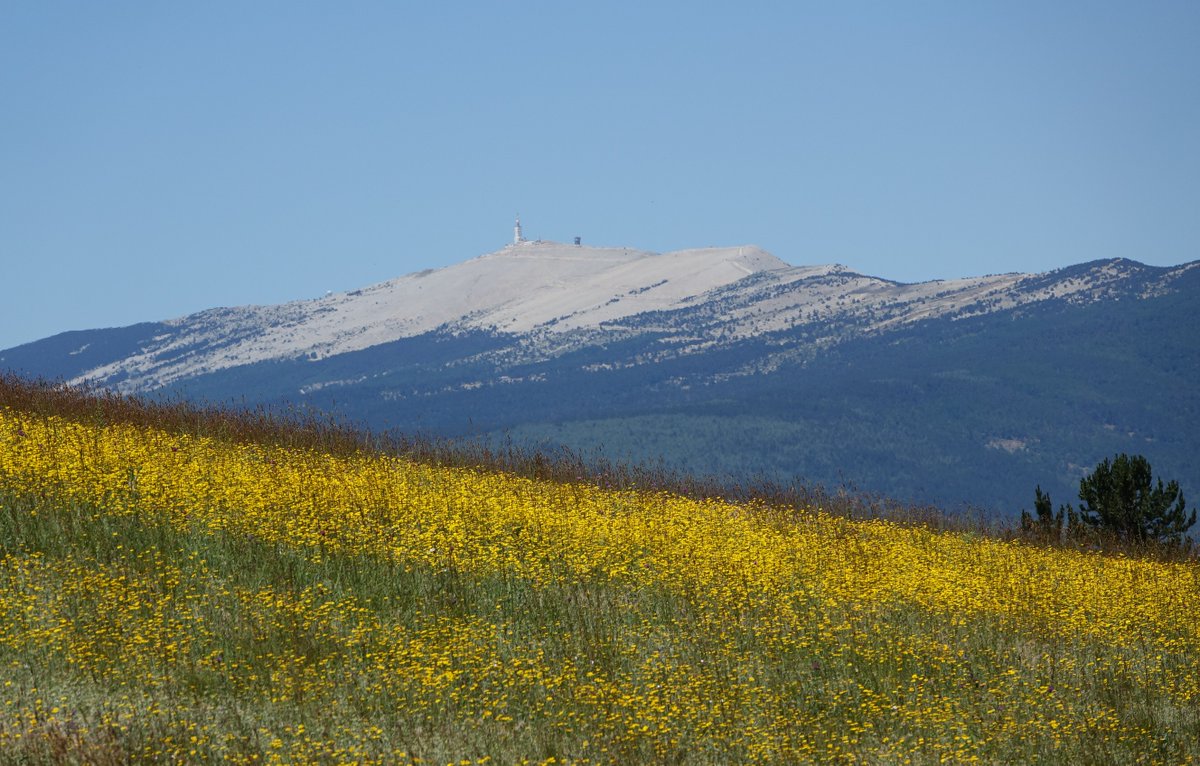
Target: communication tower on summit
[518, 238]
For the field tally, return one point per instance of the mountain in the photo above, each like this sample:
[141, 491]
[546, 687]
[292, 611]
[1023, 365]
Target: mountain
[537, 289]
[718, 360]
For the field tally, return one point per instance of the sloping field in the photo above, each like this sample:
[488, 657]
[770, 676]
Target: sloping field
[173, 597]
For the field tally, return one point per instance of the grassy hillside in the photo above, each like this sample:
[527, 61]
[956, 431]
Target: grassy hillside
[182, 587]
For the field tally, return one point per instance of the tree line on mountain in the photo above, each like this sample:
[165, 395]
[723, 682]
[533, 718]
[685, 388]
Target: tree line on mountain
[1118, 499]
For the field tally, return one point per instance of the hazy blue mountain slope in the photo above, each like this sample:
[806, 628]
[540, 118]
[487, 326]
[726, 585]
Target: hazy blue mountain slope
[978, 410]
[962, 391]
[70, 354]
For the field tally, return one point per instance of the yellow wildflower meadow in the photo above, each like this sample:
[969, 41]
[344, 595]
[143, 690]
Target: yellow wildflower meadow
[808, 636]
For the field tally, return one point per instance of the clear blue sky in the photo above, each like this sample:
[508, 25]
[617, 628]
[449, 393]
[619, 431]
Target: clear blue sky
[161, 158]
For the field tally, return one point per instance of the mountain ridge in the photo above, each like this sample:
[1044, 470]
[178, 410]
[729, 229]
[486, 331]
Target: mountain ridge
[555, 297]
[667, 355]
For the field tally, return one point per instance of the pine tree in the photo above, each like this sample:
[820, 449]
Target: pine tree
[1048, 524]
[1119, 497]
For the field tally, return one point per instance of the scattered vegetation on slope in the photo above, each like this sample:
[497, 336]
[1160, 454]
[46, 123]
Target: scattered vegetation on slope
[208, 588]
[1118, 499]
